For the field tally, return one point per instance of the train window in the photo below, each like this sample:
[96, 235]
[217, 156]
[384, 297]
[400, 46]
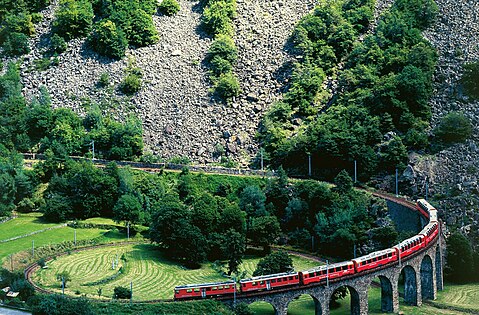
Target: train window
[214, 288]
[261, 282]
[197, 289]
[244, 285]
[279, 280]
[296, 277]
[291, 278]
[177, 291]
[189, 290]
[227, 286]
[273, 281]
[220, 288]
[209, 289]
[254, 283]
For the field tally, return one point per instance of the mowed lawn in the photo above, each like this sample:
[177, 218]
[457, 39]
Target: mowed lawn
[153, 275]
[25, 223]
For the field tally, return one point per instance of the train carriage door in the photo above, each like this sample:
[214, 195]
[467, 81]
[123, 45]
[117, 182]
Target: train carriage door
[268, 284]
[203, 293]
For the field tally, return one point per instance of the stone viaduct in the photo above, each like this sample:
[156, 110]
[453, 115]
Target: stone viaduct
[422, 275]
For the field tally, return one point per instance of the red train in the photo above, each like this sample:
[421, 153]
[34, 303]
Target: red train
[321, 273]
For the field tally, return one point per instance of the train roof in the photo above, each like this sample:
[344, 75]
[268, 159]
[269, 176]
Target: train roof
[274, 275]
[429, 226]
[374, 254]
[324, 267]
[200, 285]
[410, 240]
[426, 204]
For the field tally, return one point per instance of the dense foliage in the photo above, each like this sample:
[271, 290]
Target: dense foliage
[462, 259]
[55, 304]
[274, 263]
[218, 21]
[169, 7]
[384, 83]
[73, 18]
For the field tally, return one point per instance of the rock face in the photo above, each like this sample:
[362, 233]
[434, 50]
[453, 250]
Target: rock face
[455, 169]
[178, 114]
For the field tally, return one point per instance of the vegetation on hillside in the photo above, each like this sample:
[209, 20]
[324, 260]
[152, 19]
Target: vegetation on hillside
[381, 107]
[217, 19]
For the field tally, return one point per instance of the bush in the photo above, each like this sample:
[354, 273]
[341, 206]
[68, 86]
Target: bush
[470, 79]
[16, 23]
[217, 17]
[108, 40]
[227, 86]
[58, 44]
[121, 293]
[454, 127]
[73, 18]
[169, 7]
[131, 84]
[104, 79]
[16, 44]
[223, 47]
[141, 31]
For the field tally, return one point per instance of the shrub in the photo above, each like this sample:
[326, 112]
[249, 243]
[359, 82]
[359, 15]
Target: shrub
[454, 127]
[73, 18]
[470, 79]
[223, 47]
[169, 7]
[104, 79]
[141, 31]
[58, 44]
[108, 40]
[121, 293]
[217, 17]
[227, 86]
[16, 44]
[131, 84]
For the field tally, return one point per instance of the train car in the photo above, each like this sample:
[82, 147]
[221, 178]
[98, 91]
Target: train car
[204, 290]
[430, 232]
[433, 217]
[329, 271]
[269, 282]
[410, 246]
[376, 259]
[424, 208]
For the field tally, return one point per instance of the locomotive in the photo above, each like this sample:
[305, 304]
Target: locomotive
[321, 274]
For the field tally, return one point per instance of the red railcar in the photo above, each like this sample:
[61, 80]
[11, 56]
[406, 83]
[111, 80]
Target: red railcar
[410, 246]
[375, 259]
[330, 271]
[204, 290]
[269, 282]
[424, 208]
[430, 232]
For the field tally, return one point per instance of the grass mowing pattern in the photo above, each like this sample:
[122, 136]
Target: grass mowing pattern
[152, 274]
[23, 224]
[464, 295]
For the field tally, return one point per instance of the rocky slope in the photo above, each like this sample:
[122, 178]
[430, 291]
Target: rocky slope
[454, 170]
[179, 117]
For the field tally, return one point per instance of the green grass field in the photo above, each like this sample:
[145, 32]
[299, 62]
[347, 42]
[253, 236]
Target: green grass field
[24, 224]
[152, 274]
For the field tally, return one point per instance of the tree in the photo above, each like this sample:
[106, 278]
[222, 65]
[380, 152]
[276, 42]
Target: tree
[264, 231]
[129, 210]
[64, 277]
[108, 40]
[233, 247]
[343, 182]
[454, 127]
[54, 304]
[252, 201]
[73, 18]
[459, 258]
[470, 79]
[121, 293]
[275, 262]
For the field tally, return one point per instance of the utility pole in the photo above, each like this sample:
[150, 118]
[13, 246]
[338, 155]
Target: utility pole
[427, 186]
[63, 285]
[234, 294]
[397, 187]
[354, 251]
[128, 230]
[93, 149]
[262, 161]
[131, 290]
[312, 243]
[327, 273]
[75, 237]
[399, 254]
[33, 248]
[355, 171]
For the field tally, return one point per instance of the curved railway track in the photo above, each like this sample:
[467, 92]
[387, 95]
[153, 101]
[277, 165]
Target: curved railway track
[409, 204]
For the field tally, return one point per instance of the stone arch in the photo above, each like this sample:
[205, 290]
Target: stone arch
[410, 285]
[438, 265]
[427, 283]
[355, 299]
[387, 296]
[317, 304]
